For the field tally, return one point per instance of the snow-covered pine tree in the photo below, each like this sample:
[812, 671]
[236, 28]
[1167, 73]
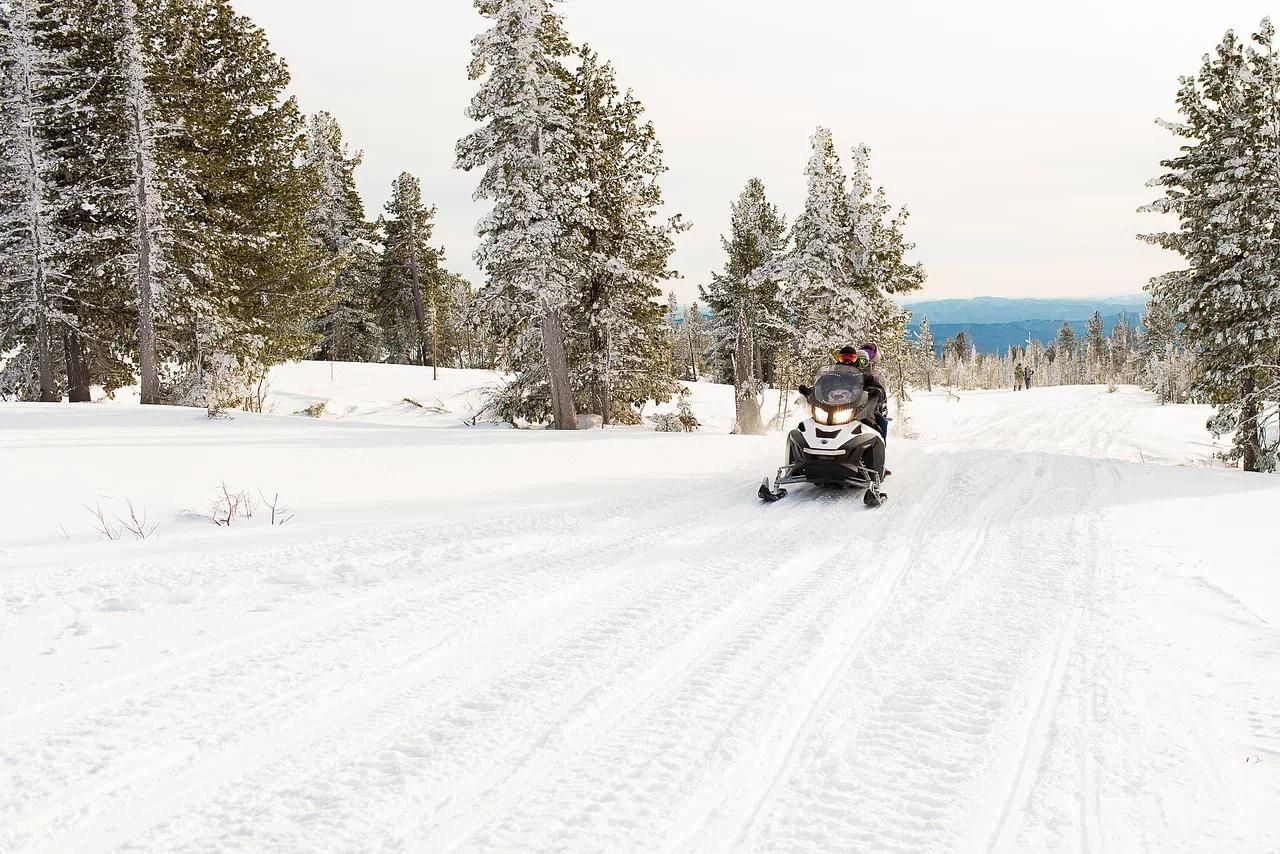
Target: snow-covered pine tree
[336, 221]
[26, 228]
[1095, 343]
[624, 356]
[848, 254]
[1165, 365]
[926, 353]
[531, 246]
[877, 233]
[473, 349]
[830, 308]
[745, 295]
[673, 323]
[693, 341]
[1225, 192]
[1121, 351]
[1065, 361]
[92, 194]
[411, 281]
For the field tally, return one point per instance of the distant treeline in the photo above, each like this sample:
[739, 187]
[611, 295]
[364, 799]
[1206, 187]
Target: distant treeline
[999, 337]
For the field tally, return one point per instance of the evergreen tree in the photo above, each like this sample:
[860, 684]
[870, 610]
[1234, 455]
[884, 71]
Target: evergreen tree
[1122, 350]
[673, 323]
[26, 229]
[1224, 189]
[830, 308]
[878, 234]
[744, 294]
[693, 342]
[462, 329]
[848, 253]
[624, 351]
[961, 347]
[531, 246]
[249, 277]
[93, 192]
[411, 279]
[337, 224]
[1165, 363]
[1064, 355]
[1095, 342]
[926, 353]
[175, 194]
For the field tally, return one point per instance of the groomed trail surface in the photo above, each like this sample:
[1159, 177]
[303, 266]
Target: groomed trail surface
[1040, 644]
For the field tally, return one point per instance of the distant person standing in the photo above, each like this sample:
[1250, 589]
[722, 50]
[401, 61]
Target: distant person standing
[1018, 377]
[1026, 377]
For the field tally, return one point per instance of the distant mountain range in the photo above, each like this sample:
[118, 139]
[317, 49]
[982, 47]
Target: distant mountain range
[995, 324]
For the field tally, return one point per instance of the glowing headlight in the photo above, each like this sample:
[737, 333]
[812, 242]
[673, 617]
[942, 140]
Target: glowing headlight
[820, 415]
[842, 416]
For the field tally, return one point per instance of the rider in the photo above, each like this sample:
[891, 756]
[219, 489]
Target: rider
[867, 359]
[865, 363]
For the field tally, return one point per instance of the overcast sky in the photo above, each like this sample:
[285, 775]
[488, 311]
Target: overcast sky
[1020, 133]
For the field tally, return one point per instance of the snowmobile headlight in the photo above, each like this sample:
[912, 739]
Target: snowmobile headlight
[841, 416]
[820, 415]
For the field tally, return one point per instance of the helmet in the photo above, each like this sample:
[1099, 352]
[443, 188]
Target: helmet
[863, 359]
[872, 351]
[847, 355]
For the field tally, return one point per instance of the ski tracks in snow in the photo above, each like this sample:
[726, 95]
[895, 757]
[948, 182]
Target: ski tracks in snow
[673, 670]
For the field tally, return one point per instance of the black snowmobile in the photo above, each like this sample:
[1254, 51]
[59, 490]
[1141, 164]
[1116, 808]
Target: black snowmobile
[838, 446]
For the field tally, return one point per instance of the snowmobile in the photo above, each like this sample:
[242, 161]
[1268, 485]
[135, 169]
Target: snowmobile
[837, 446]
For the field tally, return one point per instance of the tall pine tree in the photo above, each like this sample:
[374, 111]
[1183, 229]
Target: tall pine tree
[848, 254]
[627, 247]
[744, 295]
[1224, 190]
[26, 227]
[336, 221]
[531, 246]
[411, 280]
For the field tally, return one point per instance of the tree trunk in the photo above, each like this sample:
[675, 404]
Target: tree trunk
[435, 338]
[746, 401]
[44, 361]
[415, 289]
[35, 207]
[1248, 440]
[78, 380]
[148, 371]
[599, 375]
[563, 416]
[693, 360]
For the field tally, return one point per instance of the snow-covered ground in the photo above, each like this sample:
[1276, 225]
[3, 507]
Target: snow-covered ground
[1063, 632]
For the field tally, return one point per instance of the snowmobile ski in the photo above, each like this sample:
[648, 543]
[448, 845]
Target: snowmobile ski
[769, 494]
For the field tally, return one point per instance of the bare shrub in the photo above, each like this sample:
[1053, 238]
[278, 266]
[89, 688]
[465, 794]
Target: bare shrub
[114, 528]
[280, 513]
[104, 526]
[229, 505]
[226, 506]
[139, 527]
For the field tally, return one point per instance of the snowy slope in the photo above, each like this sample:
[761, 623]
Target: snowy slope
[1061, 634]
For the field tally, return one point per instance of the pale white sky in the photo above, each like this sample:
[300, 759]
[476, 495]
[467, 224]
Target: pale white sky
[1020, 133]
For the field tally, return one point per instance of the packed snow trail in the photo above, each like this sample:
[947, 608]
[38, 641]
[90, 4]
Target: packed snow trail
[1006, 657]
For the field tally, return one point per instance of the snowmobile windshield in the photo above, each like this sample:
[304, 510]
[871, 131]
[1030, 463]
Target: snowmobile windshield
[839, 388]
